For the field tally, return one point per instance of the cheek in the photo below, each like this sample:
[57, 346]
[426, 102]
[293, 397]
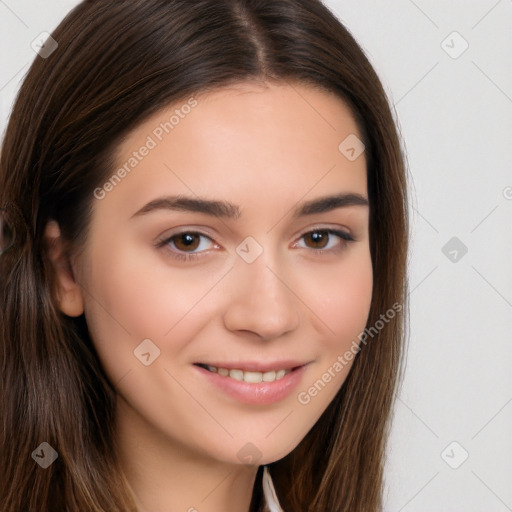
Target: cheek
[342, 305]
[350, 313]
[132, 297]
[146, 298]
[343, 298]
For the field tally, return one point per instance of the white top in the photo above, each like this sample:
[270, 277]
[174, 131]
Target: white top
[269, 493]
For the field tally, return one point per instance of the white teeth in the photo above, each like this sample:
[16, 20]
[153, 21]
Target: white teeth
[236, 374]
[251, 377]
[280, 374]
[269, 376]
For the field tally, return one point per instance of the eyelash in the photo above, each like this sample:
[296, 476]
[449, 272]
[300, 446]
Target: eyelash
[184, 256]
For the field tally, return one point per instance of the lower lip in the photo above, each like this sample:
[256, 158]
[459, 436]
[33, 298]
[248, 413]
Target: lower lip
[261, 393]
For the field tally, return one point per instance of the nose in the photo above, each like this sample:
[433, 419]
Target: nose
[261, 301]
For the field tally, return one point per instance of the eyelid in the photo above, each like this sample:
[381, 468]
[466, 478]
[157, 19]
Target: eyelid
[344, 235]
[164, 241]
[339, 230]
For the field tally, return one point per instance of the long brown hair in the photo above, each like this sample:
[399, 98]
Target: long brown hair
[116, 64]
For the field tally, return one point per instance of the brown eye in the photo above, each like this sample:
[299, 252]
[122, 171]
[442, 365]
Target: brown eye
[186, 241]
[318, 239]
[324, 241]
[187, 245]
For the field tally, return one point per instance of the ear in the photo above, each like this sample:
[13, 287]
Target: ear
[69, 294]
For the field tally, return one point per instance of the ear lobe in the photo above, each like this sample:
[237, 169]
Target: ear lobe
[69, 294]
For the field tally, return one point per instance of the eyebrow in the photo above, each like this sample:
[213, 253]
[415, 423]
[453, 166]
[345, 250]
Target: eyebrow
[225, 209]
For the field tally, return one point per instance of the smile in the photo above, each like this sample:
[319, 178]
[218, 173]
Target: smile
[248, 376]
[253, 382]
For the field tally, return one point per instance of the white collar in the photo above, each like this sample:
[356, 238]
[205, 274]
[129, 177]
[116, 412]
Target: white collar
[269, 492]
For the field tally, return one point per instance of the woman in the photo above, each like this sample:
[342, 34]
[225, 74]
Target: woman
[203, 270]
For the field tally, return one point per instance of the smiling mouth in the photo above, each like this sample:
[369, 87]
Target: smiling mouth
[251, 377]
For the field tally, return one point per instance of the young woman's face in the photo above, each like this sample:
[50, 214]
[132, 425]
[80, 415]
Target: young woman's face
[222, 244]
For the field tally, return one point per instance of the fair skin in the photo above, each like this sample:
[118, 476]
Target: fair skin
[268, 150]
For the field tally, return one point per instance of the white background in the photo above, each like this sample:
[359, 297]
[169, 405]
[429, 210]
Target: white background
[455, 115]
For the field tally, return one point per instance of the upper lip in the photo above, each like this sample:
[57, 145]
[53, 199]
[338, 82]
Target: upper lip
[255, 366]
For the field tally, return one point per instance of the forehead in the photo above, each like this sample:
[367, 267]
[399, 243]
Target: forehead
[249, 140]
